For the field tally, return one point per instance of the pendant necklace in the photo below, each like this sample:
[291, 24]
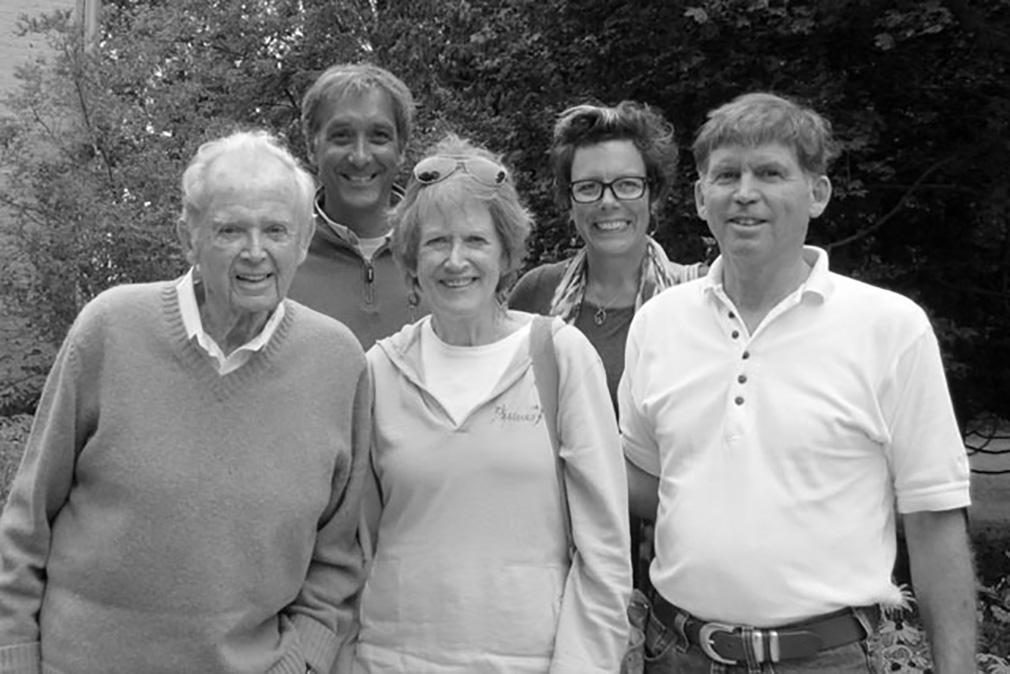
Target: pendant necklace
[600, 317]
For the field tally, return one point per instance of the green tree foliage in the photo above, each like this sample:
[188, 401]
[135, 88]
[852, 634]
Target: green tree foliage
[917, 92]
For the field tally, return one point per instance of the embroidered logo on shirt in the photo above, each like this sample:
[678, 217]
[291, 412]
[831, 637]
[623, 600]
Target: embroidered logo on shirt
[506, 415]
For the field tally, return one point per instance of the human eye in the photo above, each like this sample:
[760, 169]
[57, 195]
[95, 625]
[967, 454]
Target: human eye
[228, 230]
[586, 189]
[723, 175]
[770, 172]
[340, 135]
[436, 242]
[629, 186]
[382, 135]
[278, 231]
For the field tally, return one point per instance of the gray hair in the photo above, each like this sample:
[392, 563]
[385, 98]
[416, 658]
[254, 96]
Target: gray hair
[255, 143]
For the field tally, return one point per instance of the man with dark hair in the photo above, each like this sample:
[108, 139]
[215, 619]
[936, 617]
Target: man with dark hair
[357, 120]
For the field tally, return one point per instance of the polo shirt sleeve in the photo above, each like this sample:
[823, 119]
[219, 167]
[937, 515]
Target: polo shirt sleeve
[637, 432]
[926, 451]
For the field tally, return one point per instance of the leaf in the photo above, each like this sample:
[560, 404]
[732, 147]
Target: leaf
[698, 14]
[884, 41]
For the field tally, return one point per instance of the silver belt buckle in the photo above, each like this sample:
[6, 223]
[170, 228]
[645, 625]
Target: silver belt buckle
[708, 645]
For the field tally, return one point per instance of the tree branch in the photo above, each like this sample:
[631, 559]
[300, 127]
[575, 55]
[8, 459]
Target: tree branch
[883, 220]
[77, 76]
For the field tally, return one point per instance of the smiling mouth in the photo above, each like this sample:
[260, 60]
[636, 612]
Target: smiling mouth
[359, 179]
[612, 225]
[745, 222]
[254, 278]
[458, 282]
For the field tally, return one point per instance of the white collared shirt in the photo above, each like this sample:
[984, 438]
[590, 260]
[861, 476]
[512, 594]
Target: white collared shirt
[782, 453]
[193, 324]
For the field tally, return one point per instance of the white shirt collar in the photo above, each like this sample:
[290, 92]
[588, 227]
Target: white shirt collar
[193, 324]
[818, 282]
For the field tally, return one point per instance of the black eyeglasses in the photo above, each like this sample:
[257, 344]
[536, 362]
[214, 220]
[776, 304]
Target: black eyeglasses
[625, 188]
[437, 168]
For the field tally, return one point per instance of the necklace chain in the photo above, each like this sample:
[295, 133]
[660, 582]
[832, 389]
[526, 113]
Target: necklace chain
[600, 317]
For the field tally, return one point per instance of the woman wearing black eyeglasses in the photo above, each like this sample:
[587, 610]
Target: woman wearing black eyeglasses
[613, 167]
[480, 562]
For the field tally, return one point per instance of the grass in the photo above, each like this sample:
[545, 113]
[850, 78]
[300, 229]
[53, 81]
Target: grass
[901, 641]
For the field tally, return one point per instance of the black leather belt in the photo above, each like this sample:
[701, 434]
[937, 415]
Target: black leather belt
[733, 644]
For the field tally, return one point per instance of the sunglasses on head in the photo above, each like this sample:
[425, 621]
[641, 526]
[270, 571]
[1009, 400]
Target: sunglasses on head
[437, 168]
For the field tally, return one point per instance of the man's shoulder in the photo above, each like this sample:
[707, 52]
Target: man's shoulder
[873, 301]
[127, 298]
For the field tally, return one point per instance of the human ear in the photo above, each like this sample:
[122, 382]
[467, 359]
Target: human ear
[820, 192]
[307, 232]
[185, 234]
[699, 200]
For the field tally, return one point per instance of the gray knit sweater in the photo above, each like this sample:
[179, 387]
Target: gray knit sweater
[167, 519]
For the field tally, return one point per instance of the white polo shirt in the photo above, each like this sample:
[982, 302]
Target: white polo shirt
[781, 455]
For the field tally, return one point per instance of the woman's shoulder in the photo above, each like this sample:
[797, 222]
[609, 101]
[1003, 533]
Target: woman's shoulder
[533, 292]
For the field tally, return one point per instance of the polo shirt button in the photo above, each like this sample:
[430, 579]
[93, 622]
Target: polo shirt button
[732, 315]
[739, 400]
[742, 379]
[736, 333]
[746, 355]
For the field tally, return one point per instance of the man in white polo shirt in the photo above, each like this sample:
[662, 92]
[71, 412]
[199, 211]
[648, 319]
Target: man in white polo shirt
[776, 416]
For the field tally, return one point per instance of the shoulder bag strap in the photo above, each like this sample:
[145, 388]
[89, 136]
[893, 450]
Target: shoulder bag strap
[545, 372]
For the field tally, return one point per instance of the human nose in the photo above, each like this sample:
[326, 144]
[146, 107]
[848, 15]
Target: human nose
[360, 153]
[605, 190]
[746, 188]
[254, 245]
[456, 257]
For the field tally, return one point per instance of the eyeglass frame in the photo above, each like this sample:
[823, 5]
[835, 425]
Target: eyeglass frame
[462, 163]
[604, 186]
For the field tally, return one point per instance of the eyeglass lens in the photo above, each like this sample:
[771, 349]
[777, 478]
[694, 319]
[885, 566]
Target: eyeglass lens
[625, 188]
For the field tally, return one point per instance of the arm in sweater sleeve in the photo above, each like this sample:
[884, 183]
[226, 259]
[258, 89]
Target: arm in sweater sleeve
[323, 613]
[63, 420]
[593, 626]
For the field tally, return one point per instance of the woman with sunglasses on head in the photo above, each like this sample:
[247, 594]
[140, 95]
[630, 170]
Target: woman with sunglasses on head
[613, 167]
[471, 570]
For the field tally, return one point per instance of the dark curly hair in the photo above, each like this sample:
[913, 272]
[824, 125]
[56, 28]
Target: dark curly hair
[588, 124]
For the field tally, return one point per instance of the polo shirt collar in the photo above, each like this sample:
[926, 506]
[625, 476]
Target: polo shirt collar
[818, 283]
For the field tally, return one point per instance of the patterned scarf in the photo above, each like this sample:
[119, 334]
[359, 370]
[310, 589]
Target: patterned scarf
[657, 275]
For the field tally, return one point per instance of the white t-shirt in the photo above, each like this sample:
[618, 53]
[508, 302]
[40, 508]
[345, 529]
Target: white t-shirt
[460, 377]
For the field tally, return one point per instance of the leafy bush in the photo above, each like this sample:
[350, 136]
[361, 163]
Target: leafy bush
[13, 434]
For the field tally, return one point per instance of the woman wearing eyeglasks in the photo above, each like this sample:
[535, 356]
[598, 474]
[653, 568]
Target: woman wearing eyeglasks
[471, 569]
[613, 167]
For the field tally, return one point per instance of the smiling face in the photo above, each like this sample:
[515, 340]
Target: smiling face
[357, 154]
[610, 226]
[247, 244]
[758, 202]
[460, 259]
